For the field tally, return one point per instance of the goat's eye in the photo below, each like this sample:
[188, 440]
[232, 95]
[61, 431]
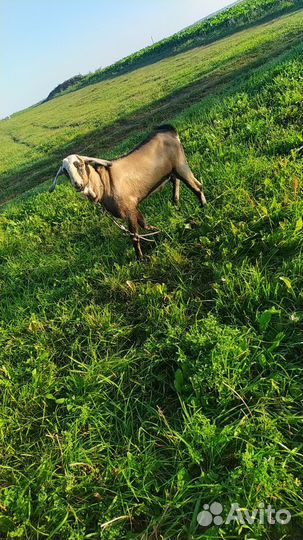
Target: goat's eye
[78, 165]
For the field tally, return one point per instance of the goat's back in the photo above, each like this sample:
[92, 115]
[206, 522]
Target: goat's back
[153, 159]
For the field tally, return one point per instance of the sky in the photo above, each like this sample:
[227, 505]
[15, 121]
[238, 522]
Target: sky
[45, 42]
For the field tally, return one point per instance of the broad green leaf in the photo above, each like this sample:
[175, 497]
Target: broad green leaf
[277, 341]
[264, 318]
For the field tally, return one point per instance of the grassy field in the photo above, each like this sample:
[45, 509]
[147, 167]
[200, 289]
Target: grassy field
[94, 119]
[226, 22]
[135, 393]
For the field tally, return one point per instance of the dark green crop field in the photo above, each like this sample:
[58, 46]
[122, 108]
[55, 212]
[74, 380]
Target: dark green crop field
[135, 393]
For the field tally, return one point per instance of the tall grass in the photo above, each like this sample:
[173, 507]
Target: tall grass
[135, 393]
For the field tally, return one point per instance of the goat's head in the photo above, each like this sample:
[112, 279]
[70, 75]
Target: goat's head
[76, 168]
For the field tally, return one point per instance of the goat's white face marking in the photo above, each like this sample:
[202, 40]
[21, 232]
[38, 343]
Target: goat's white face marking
[73, 172]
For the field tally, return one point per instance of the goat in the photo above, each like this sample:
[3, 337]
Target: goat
[120, 185]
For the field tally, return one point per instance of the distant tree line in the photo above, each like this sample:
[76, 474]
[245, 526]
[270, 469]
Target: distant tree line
[64, 86]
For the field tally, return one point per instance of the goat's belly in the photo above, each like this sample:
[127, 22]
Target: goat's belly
[160, 186]
[137, 184]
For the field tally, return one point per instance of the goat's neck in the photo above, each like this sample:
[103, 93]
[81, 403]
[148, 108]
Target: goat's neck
[95, 188]
[105, 180]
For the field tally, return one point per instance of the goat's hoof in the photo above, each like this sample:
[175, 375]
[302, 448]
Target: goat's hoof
[151, 228]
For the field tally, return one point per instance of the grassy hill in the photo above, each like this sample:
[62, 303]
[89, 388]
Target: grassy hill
[93, 120]
[134, 394]
[226, 21]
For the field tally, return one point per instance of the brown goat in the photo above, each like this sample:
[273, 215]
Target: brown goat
[120, 185]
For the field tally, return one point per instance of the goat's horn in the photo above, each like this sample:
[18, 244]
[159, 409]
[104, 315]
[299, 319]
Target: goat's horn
[98, 161]
[60, 171]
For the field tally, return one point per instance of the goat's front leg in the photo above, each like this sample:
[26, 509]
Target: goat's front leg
[133, 227]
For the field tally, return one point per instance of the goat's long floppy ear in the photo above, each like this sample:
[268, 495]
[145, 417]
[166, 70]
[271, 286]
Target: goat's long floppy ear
[97, 161]
[60, 171]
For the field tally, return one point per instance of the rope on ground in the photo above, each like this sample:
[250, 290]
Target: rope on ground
[129, 233]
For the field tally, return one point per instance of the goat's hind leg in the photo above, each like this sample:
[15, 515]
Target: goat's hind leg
[185, 174]
[176, 189]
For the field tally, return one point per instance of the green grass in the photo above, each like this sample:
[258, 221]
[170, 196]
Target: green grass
[96, 118]
[135, 393]
[226, 22]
